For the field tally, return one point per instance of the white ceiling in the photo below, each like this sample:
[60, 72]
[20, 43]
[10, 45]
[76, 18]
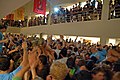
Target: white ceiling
[7, 6]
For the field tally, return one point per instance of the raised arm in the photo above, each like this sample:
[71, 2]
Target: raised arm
[16, 49]
[25, 55]
[20, 74]
[24, 63]
[4, 41]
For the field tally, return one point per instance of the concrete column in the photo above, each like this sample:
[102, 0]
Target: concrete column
[105, 10]
[117, 40]
[104, 40]
[28, 21]
[50, 12]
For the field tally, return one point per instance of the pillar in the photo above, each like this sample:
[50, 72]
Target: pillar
[28, 21]
[117, 40]
[50, 12]
[105, 10]
[104, 40]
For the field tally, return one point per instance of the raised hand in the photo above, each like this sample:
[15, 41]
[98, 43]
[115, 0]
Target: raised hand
[24, 45]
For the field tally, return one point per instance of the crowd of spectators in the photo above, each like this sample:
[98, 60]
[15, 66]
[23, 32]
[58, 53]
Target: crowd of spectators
[114, 9]
[36, 21]
[78, 13]
[75, 14]
[13, 23]
[33, 58]
[63, 15]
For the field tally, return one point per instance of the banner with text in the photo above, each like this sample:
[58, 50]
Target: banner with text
[39, 6]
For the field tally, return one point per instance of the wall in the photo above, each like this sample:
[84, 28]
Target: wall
[110, 28]
[13, 30]
[7, 6]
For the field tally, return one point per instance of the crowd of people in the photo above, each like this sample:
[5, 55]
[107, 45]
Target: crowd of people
[34, 21]
[37, 21]
[78, 13]
[63, 15]
[114, 9]
[33, 58]
[15, 23]
[74, 14]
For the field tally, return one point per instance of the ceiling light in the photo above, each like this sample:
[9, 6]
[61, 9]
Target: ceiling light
[56, 9]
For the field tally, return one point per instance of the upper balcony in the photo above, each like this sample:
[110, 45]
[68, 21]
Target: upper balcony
[79, 12]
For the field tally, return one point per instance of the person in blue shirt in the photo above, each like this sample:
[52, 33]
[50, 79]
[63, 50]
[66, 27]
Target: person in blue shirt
[4, 67]
[5, 73]
[94, 52]
[3, 28]
[102, 52]
[98, 54]
[1, 37]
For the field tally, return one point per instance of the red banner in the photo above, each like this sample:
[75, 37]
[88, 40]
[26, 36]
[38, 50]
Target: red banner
[10, 17]
[39, 6]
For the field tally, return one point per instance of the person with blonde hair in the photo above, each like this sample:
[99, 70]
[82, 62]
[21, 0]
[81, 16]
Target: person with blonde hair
[58, 71]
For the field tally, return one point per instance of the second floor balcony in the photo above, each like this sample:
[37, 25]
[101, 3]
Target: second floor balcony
[76, 13]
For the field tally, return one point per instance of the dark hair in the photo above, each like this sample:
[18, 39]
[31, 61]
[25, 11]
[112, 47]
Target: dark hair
[70, 48]
[116, 66]
[114, 47]
[105, 46]
[97, 70]
[90, 65]
[75, 49]
[3, 26]
[60, 43]
[94, 59]
[83, 75]
[81, 63]
[14, 56]
[78, 57]
[63, 52]
[70, 62]
[43, 59]
[108, 63]
[4, 63]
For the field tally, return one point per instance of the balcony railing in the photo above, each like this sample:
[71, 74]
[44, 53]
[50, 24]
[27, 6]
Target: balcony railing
[76, 14]
[57, 19]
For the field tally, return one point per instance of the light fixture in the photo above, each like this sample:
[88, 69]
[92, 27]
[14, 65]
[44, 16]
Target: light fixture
[56, 9]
